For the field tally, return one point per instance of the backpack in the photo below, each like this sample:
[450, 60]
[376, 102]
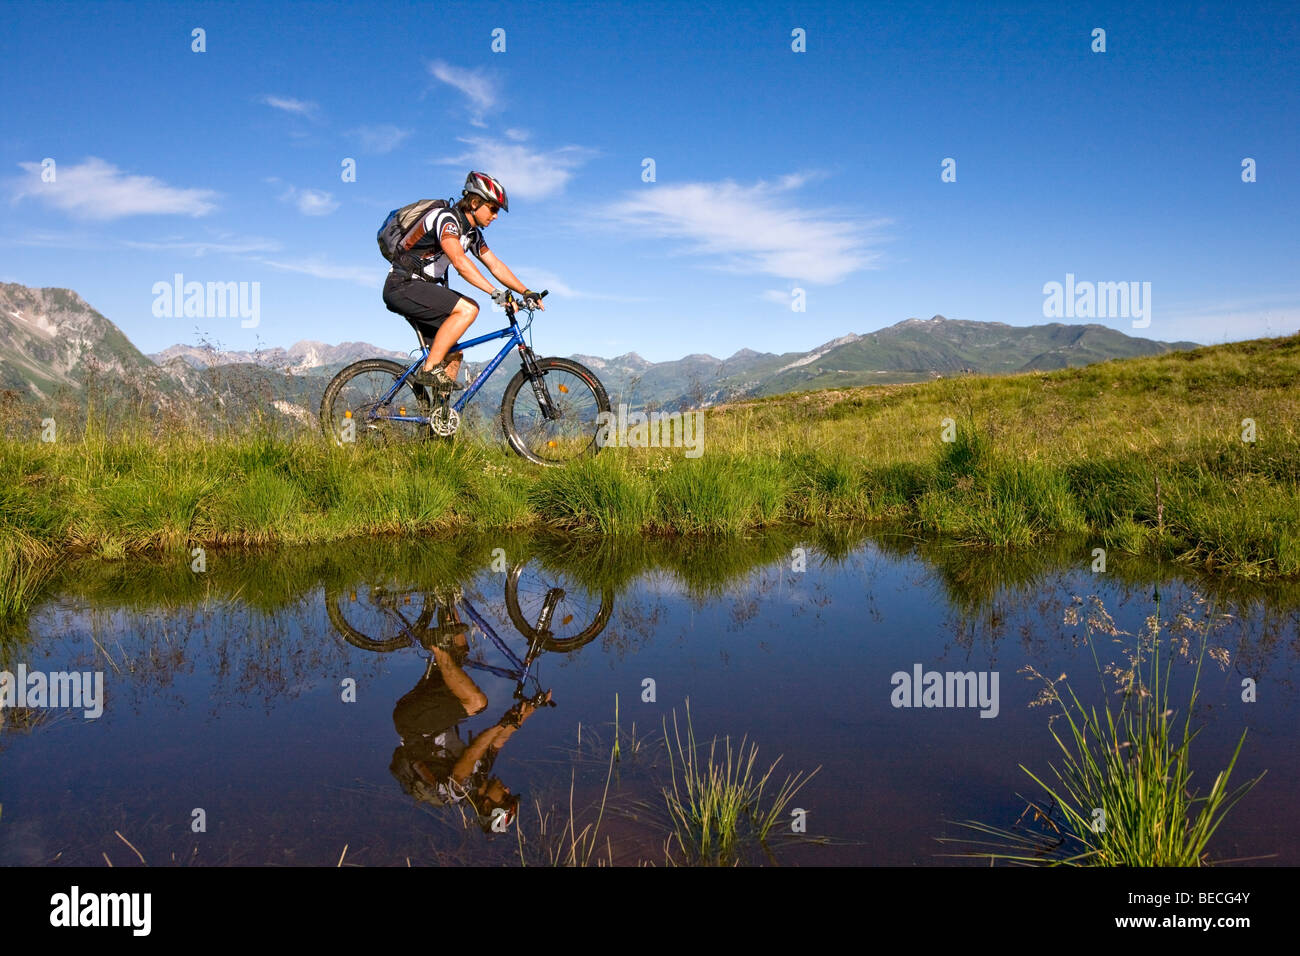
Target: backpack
[397, 224]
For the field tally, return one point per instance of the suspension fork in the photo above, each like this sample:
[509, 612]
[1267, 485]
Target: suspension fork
[540, 633]
[553, 597]
[538, 381]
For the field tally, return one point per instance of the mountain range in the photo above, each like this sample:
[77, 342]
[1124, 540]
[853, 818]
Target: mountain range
[47, 337]
[301, 358]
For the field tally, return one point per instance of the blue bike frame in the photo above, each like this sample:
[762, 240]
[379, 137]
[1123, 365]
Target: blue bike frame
[516, 340]
[522, 668]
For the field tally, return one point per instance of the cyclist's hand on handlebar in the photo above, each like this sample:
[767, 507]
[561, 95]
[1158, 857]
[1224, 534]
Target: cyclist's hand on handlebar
[501, 297]
[525, 708]
[533, 300]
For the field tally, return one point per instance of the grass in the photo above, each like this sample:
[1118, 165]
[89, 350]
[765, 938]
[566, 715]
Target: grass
[1122, 793]
[1033, 457]
[559, 842]
[716, 810]
[716, 802]
[26, 566]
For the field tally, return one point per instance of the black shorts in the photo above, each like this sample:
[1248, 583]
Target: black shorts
[424, 304]
[429, 708]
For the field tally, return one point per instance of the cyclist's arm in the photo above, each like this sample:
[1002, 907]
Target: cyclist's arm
[493, 738]
[501, 272]
[456, 255]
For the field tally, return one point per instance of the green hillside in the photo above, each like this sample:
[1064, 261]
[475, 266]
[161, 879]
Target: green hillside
[1191, 457]
[917, 350]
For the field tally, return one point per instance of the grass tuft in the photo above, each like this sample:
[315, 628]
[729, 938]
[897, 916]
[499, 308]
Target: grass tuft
[716, 802]
[1122, 794]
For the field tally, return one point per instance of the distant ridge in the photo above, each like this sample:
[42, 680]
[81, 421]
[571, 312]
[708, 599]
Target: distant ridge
[45, 334]
[301, 357]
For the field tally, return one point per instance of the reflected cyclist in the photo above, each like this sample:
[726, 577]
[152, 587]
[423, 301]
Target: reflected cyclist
[432, 763]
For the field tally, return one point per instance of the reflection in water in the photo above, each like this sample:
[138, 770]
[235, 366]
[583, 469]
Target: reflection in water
[432, 763]
[222, 691]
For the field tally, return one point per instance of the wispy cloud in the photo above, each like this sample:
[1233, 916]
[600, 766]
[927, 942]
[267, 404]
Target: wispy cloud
[318, 268]
[99, 191]
[49, 239]
[296, 107]
[481, 89]
[380, 138]
[1227, 321]
[310, 202]
[80, 239]
[543, 279]
[526, 173]
[759, 229]
[779, 296]
[227, 245]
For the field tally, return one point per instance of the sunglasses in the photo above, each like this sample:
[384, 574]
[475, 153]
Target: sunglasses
[493, 208]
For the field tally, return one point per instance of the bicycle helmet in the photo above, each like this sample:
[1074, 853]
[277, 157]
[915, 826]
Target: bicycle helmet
[485, 187]
[493, 816]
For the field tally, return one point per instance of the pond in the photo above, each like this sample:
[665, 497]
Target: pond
[385, 702]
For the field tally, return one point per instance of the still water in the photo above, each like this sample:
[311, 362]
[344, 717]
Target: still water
[387, 702]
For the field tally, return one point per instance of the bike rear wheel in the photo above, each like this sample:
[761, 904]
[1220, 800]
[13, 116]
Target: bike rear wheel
[578, 398]
[353, 411]
[356, 615]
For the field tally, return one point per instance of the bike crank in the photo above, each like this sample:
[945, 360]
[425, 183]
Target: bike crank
[444, 420]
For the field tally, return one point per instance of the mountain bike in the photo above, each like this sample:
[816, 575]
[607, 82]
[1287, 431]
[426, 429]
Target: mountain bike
[549, 412]
[556, 614]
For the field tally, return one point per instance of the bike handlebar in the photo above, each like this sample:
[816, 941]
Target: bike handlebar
[514, 305]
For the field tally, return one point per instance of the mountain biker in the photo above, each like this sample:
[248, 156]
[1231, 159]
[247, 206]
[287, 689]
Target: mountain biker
[417, 288]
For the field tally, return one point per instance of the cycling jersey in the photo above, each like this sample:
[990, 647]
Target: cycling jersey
[429, 235]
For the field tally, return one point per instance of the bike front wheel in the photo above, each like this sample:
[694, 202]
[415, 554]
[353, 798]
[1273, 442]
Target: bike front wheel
[577, 614]
[360, 406]
[576, 399]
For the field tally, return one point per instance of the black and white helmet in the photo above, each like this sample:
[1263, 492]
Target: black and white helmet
[484, 186]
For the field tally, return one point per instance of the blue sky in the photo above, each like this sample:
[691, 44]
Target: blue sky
[775, 170]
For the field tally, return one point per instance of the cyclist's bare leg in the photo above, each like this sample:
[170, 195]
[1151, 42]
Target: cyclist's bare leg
[460, 683]
[453, 363]
[452, 328]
